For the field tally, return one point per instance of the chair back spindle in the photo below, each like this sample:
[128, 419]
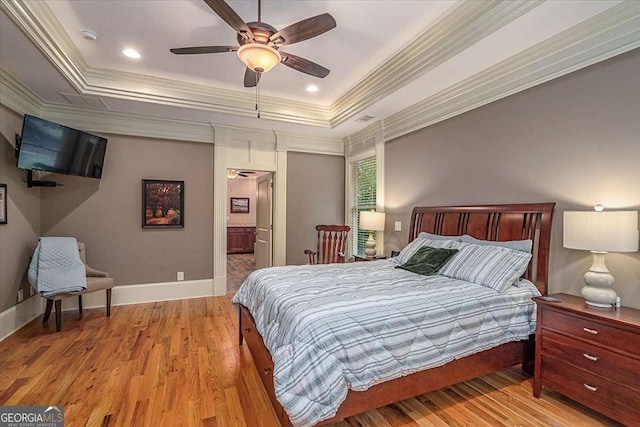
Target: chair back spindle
[331, 244]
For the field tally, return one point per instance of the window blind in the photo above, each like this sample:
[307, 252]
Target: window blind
[363, 198]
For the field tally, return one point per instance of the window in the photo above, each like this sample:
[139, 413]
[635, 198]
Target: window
[363, 198]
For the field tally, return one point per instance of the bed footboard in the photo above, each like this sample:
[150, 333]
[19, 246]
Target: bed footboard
[483, 363]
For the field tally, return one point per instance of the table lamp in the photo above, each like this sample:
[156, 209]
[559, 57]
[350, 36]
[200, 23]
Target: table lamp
[372, 221]
[600, 232]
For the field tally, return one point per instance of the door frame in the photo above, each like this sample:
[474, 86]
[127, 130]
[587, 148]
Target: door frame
[279, 199]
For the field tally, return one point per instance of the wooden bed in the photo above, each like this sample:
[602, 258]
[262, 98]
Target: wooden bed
[488, 222]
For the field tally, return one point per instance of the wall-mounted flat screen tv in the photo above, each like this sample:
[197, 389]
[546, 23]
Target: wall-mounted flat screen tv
[52, 147]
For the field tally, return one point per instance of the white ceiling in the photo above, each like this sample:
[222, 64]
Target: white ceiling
[436, 45]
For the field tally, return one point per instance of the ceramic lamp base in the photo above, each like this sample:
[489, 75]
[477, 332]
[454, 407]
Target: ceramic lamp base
[370, 246]
[598, 291]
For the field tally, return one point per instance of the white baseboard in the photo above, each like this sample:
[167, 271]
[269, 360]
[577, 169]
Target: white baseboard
[148, 292]
[19, 315]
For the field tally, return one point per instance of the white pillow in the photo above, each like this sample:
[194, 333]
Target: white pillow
[516, 245]
[416, 244]
[425, 235]
[492, 266]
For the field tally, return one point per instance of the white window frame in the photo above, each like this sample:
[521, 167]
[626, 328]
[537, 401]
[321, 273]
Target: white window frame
[378, 152]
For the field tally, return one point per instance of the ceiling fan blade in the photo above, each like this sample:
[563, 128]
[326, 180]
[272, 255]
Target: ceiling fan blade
[304, 65]
[247, 172]
[304, 30]
[243, 175]
[203, 49]
[228, 15]
[251, 78]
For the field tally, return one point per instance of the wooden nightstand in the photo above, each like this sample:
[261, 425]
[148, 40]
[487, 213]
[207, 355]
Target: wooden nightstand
[360, 258]
[590, 355]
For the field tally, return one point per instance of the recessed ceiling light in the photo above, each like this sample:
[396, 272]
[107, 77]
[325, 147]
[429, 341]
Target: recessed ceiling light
[312, 88]
[131, 53]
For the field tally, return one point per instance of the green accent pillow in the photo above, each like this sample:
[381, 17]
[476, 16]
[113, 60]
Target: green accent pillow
[428, 260]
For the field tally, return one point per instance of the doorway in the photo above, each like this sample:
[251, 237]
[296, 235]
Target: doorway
[249, 224]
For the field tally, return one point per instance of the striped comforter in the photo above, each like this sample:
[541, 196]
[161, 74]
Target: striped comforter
[331, 328]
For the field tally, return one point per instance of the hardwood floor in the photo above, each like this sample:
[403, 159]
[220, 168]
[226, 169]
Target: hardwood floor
[178, 363]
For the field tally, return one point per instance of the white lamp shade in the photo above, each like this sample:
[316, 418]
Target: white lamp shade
[372, 220]
[259, 56]
[610, 231]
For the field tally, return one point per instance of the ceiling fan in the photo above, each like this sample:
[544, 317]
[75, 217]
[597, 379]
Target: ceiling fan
[260, 43]
[234, 173]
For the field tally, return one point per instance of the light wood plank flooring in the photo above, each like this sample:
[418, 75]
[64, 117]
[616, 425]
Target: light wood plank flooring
[177, 363]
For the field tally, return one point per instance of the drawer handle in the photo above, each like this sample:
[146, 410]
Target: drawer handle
[590, 357]
[268, 371]
[247, 330]
[590, 387]
[591, 331]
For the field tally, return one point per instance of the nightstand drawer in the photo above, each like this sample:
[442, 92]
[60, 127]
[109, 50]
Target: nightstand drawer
[605, 396]
[592, 358]
[592, 331]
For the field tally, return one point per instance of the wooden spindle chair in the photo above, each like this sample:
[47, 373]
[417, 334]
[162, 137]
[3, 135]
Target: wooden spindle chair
[331, 245]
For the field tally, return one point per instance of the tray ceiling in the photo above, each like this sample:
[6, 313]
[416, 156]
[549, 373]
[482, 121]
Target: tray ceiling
[384, 56]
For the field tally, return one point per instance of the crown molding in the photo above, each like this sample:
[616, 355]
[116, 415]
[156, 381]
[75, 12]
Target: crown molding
[610, 33]
[461, 28]
[314, 145]
[18, 97]
[37, 21]
[123, 85]
[364, 139]
[40, 24]
[458, 30]
[112, 122]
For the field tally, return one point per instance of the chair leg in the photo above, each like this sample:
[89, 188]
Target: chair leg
[47, 311]
[58, 315]
[108, 302]
[80, 303]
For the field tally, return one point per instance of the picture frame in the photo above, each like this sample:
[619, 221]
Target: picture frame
[162, 204]
[3, 203]
[239, 205]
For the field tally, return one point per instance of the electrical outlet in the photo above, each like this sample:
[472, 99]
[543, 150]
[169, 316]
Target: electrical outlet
[20, 295]
[180, 275]
[398, 226]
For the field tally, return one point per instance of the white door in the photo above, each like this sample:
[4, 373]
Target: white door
[264, 230]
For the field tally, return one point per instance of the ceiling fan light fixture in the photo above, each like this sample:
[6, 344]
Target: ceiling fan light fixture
[259, 57]
[232, 173]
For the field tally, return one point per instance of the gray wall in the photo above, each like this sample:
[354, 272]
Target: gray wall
[106, 214]
[19, 237]
[315, 195]
[574, 140]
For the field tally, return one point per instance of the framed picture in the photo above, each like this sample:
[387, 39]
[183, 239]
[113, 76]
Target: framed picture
[162, 204]
[3, 203]
[239, 205]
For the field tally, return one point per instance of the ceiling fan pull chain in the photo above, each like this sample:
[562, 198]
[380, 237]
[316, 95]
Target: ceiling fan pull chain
[257, 96]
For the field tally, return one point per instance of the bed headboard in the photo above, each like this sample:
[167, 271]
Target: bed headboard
[494, 222]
